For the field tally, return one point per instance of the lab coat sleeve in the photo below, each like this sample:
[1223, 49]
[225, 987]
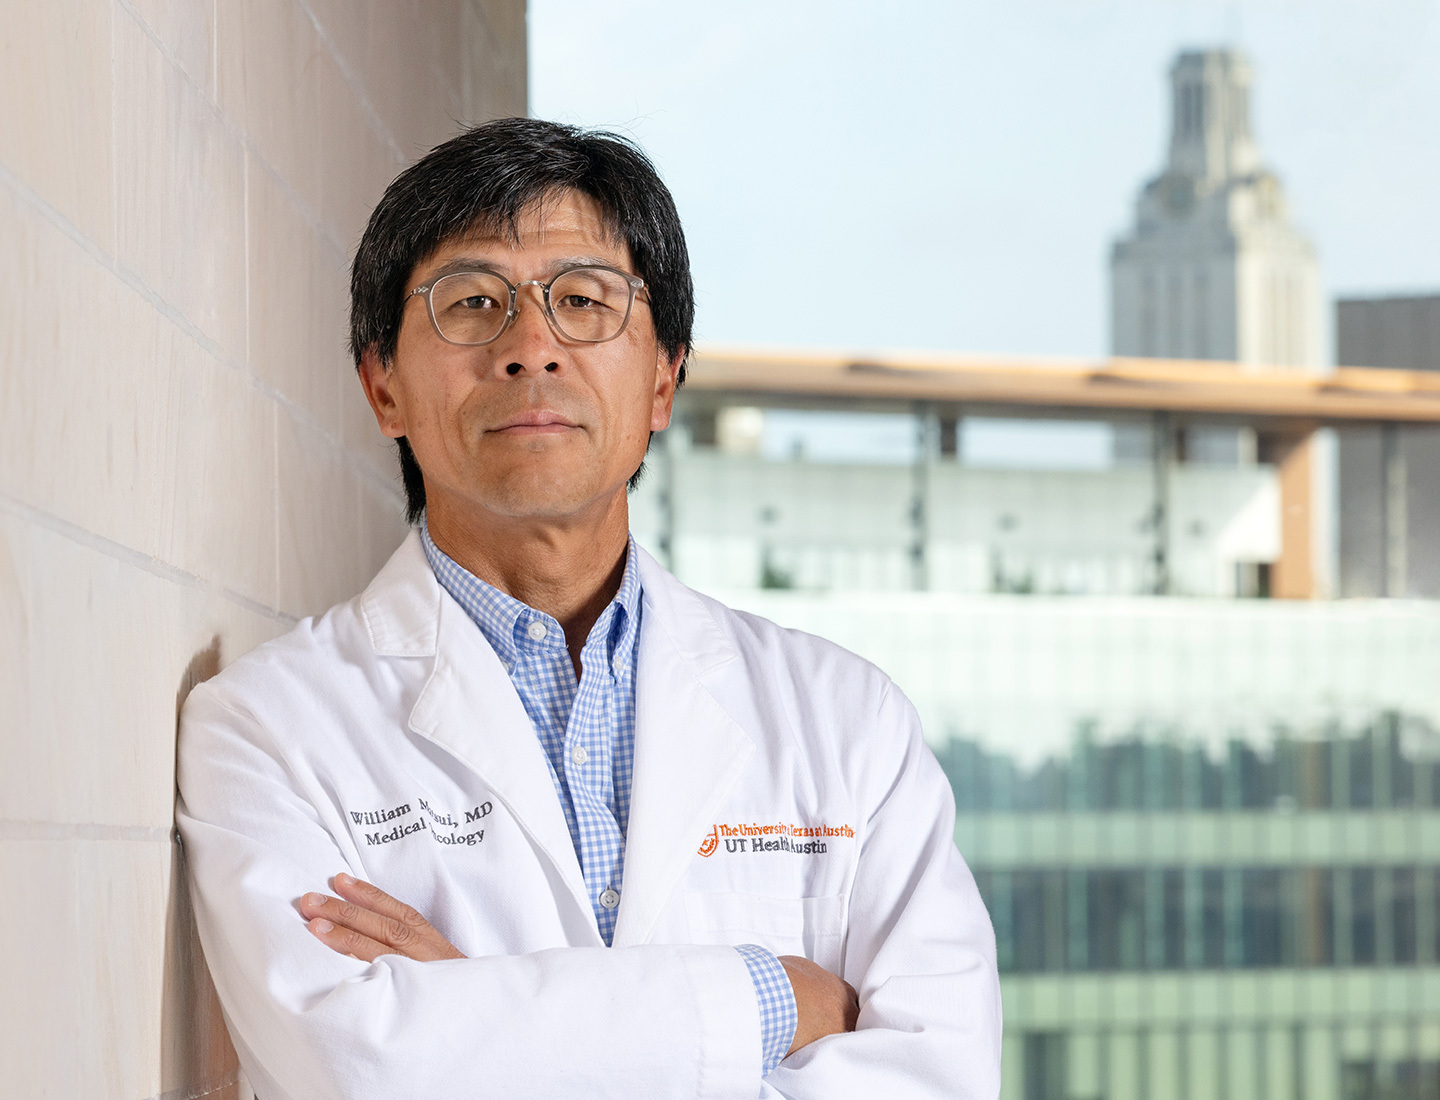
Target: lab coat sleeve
[920, 949]
[308, 1022]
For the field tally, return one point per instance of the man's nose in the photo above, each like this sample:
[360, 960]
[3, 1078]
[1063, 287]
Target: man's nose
[529, 344]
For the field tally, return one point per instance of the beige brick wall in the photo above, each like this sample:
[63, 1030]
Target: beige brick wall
[187, 464]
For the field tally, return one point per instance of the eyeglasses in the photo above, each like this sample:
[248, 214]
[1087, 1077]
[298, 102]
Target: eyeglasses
[588, 305]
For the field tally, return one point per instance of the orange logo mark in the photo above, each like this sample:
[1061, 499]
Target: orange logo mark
[711, 842]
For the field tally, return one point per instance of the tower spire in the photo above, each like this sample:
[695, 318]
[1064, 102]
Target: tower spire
[1210, 136]
[1213, 268]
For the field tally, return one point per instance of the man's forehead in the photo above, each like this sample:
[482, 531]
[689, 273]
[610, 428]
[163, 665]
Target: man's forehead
[567, 227]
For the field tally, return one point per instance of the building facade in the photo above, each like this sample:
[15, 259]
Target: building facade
[1213, 268]
[1389, 529]
[1401, 332]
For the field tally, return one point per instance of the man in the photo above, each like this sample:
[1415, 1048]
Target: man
[529, 818]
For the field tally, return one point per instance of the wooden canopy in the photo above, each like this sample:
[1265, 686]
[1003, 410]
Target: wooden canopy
[1181, 386]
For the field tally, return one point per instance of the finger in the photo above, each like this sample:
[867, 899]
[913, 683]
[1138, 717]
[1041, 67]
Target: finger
[347, 941]
[409, 928]
[406, 928]
[374, 913]
[399, 938]
[371, 897]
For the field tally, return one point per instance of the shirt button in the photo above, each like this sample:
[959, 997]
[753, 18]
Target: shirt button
[537, 630]
[579, 755]
[609, 899]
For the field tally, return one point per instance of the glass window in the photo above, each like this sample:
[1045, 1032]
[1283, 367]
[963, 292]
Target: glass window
[1402, 914]
[1362, 916]
[1261, 917]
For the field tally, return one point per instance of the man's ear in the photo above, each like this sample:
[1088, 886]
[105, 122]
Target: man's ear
[375, 376]
[667, 372]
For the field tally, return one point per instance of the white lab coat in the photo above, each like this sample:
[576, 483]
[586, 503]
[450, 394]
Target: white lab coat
[384, 738]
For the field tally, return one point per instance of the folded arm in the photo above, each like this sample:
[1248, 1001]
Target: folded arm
[919, 949]
[364, 922]
[359, 995]
[313, 1022]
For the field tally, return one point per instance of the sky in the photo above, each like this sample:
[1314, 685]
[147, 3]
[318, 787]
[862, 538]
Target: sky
[949, 176]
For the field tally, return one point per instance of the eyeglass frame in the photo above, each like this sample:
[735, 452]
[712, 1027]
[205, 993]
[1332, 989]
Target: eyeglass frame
[635, 283]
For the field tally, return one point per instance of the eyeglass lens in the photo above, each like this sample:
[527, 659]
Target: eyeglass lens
[588, 304]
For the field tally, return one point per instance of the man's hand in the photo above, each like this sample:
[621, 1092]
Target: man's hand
[365, 922]
[827, 1004]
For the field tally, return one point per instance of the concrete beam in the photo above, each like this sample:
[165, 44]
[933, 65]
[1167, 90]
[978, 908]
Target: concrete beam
[1201, 387]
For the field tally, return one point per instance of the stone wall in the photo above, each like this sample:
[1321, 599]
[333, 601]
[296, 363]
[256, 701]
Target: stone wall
[187, 464]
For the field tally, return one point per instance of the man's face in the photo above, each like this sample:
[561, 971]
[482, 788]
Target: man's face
[531, 425]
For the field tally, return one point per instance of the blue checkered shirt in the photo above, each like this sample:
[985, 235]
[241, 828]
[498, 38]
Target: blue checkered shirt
[587, 730]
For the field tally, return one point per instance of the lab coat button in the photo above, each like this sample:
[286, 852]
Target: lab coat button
[579, 755]
[536, 630]
[609, 899]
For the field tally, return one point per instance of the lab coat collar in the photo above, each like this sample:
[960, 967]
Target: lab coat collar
[689, 750]
[401, 606]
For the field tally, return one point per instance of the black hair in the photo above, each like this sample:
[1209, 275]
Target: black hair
[481, 182]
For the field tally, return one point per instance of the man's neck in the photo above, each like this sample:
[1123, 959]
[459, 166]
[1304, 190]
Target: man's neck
[569, 569]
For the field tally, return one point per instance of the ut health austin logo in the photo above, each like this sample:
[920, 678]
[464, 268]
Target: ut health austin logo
[804, 840]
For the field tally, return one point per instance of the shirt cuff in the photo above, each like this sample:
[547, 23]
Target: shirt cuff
[778, 1014]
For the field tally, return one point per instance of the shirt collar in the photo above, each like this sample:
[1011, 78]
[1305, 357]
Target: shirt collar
[509, 625]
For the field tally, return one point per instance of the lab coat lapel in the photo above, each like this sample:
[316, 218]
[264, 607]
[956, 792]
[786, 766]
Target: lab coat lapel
[689, 751]
[469, 706]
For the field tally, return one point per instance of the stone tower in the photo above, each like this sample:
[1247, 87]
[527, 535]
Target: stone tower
[1213, 268]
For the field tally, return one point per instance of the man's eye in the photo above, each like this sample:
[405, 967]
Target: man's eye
[477, 301]
[577, 301]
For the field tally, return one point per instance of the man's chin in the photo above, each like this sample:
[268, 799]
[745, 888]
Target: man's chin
[540, 498]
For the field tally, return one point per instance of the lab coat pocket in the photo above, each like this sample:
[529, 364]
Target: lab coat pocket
[812, 927]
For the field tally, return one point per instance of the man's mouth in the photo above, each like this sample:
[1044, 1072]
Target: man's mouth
[535, 422]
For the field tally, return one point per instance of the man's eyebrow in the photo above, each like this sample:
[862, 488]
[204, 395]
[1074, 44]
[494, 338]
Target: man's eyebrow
[475, 263]
[461, 263]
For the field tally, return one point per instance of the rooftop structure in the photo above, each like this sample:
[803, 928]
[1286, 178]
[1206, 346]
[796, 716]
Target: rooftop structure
[1255, 393]
[1176, 426]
